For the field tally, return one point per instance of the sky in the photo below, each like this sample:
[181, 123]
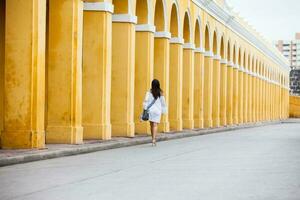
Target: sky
[274, 19]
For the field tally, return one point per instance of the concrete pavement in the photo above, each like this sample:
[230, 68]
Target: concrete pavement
[261, 163]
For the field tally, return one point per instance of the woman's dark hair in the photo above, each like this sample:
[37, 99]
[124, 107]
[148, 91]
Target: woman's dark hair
[155, 89]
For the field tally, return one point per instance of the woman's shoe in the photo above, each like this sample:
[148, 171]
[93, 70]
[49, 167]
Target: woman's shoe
[153, 143]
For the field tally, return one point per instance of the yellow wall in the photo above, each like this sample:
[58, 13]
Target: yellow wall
[2, 56]
[295, 106]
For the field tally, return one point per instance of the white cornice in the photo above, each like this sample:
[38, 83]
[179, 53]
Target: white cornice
[145, 28]
[189, 46]
[217, 57]
[227, 19]
[230, 64]
[200, 50]
[208, 54]
[223, 61]
[124, 18]
[162, 34]
[176, 40]
[98, 6]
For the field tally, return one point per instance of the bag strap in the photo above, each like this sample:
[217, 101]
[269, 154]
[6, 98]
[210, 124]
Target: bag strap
[151, 104]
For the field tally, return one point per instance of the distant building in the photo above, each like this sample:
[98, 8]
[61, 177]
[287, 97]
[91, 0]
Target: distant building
[291, 50]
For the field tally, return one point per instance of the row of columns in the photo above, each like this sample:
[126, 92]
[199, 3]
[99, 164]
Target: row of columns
[87, 76]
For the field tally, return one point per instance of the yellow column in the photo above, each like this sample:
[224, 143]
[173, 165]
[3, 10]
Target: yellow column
[96, 83]
[64, 103]
[144, 55]
[268, 100]
[207, 100]
[175, 93]
[123, 64]
[229, 95]
[235, 105]
[216, 91]
[245, 95]
[259, 98]
[198, 85]
[188, 86]
[24, 77]
[254, 85]
[223, 93]
[250, 90]
[161, 70]
[2, 63]
[240, 95]
[264, 99]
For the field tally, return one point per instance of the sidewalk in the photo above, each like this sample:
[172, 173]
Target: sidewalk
[11, 157]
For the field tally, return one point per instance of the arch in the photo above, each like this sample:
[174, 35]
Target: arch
[249, 62]
[215, 43]
[187, 27]
[175, 20]
[142, 11]
[239, 52]
[234, 54]
[197, 35]
[160, 15]
[229, 51]
[245, 60]
[207, 39]
[222, 48]
[121, 6]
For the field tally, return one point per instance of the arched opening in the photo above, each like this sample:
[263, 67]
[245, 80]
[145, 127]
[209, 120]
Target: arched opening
[141, 11]
[121, 6]
[222, 48]
[186, 29]
[215, 43]
[174, 29]
[229, 51]
[144, 42]
[245, 60]
[239, 57]
[207, 39]
[234, 55]
[159, 17]
[197, 34]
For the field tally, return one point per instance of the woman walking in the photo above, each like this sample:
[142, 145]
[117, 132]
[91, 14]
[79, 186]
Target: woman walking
[155, 104]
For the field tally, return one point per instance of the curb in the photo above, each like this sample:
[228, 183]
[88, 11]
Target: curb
[120, 144]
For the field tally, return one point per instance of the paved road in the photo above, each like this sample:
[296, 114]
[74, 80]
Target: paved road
[258, 164]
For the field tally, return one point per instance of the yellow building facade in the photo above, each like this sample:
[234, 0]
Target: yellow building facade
[74, 70]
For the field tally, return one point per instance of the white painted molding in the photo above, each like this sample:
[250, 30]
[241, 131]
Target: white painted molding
[230, 64]
[228, 19]
[208, 54]
[145, 28]
[217, 57]
[177, 40]
[124, 18]
[223, 61]
[236, 66]
[200, 50]
[188, 46]
[162, 34]
[98, 6]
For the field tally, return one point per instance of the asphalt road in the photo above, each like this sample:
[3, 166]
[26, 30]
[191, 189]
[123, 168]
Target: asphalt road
[250, 164]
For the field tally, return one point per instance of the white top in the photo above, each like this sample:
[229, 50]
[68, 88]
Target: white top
[158, 108]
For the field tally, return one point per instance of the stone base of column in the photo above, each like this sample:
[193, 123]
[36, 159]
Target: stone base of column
[23, 139]
[208, 123]
[64, 135]
[123, 130]
[223, 121]
[188, 124]
[97, 132]
[176, 125]
[142, 128]
[216, 122]
[235, 120]
[198, 123]
[164, 127]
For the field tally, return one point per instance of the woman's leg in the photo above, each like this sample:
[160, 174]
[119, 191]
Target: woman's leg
[152, 130]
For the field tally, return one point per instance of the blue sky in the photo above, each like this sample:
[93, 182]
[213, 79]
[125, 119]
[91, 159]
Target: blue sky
[274, 19]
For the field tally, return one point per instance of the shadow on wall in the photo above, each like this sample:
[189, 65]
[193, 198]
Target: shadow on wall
[295, 106]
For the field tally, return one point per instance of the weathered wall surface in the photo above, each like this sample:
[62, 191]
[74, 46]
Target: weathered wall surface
[295, 106]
